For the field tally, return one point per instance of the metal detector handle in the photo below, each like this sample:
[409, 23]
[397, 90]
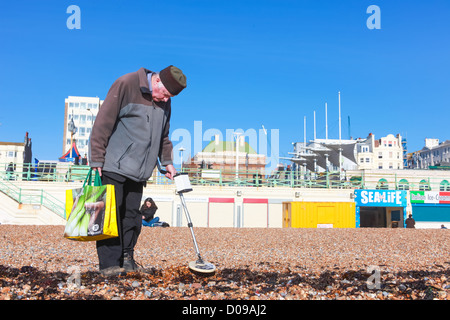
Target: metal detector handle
[159, 168]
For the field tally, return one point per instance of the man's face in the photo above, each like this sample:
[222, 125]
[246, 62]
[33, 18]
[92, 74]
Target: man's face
[160, 92]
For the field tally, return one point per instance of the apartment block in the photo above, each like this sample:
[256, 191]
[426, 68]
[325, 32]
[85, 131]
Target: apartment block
[83, 111]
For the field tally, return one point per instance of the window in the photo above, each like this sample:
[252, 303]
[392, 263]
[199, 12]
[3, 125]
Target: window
[391, 166]
[382, 184]
[82, 131]
[403, 184]
[367, 160]
[380, 155]
[361, 160]
[70, 104]
[424, 186]
[76, 105]
[83, 119]
[444, 186]
[380, 166]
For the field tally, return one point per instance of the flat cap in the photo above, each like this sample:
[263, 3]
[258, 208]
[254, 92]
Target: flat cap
[173, 79]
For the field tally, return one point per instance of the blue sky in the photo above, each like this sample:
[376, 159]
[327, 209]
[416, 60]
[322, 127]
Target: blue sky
[248, 64]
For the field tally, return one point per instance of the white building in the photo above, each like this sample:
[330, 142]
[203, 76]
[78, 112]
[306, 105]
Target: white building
[383, 153]
[83, 110]
[11, 152]
[433, 154]
[321, 155]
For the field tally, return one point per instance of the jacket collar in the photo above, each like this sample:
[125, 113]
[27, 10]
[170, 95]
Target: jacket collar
[143, 81]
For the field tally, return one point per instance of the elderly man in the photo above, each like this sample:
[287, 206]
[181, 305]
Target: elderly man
[129, 134]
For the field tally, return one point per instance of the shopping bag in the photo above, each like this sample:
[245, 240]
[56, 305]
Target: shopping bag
[91, 211]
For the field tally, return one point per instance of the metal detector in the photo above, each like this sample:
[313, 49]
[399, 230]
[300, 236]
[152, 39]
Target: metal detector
[183, 185]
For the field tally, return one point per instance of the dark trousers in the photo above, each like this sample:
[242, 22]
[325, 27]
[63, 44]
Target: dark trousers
[129, 220]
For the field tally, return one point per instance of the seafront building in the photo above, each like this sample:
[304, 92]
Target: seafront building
[332, 183]
[80, 112]
[324, 155]
[433, 154]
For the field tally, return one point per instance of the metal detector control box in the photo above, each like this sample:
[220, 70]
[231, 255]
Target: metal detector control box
[182, 182]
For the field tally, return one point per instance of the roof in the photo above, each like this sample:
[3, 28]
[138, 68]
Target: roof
[221, 146]
[20, 144]
[75, 153]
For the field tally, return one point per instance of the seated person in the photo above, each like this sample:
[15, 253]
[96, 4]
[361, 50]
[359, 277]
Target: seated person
[148, 211]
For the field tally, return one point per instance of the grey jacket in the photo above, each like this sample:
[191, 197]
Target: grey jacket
[131, 130]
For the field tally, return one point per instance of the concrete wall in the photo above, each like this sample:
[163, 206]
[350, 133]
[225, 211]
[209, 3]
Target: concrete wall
[12, 212]
[208, 206]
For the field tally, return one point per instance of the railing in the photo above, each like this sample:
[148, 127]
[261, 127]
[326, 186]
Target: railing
[66, 172]
[33, 196]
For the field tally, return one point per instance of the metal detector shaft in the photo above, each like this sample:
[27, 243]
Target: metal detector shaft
[188, 217]
[190, 225]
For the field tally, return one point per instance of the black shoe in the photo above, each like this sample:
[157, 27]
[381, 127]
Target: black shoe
[128, 262]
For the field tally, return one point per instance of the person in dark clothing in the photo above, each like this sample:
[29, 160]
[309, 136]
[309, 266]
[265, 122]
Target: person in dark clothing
[130, 133]
[148, 211]
[410, 223]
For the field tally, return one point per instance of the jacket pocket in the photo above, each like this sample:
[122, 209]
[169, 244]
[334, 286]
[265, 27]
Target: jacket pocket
[127, 151]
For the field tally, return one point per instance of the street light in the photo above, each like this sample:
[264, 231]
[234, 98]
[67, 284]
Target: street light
[92, 117]
[237, 153]
[73, 130]
[181, 157]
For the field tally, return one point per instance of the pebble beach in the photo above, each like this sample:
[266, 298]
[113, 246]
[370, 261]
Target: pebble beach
[38, 263]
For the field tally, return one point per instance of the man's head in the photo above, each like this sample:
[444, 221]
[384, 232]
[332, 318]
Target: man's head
[168, 83]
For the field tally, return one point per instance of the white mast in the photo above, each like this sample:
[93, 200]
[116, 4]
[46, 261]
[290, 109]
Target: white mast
[326, 122]
[304, 131]
[339, 116]
[340, 145]
[314, 125]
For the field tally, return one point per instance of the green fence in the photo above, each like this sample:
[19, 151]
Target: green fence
[33, 196]
[66, 172]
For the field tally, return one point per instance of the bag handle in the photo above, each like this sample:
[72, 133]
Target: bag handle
[97, 179]
[88, 178]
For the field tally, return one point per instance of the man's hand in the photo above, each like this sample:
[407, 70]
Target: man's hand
[171, 171]
[99, 169]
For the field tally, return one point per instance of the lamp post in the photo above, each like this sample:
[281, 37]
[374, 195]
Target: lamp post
[72, 129]
[92, 117]
[181, 157]
[238, 134]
